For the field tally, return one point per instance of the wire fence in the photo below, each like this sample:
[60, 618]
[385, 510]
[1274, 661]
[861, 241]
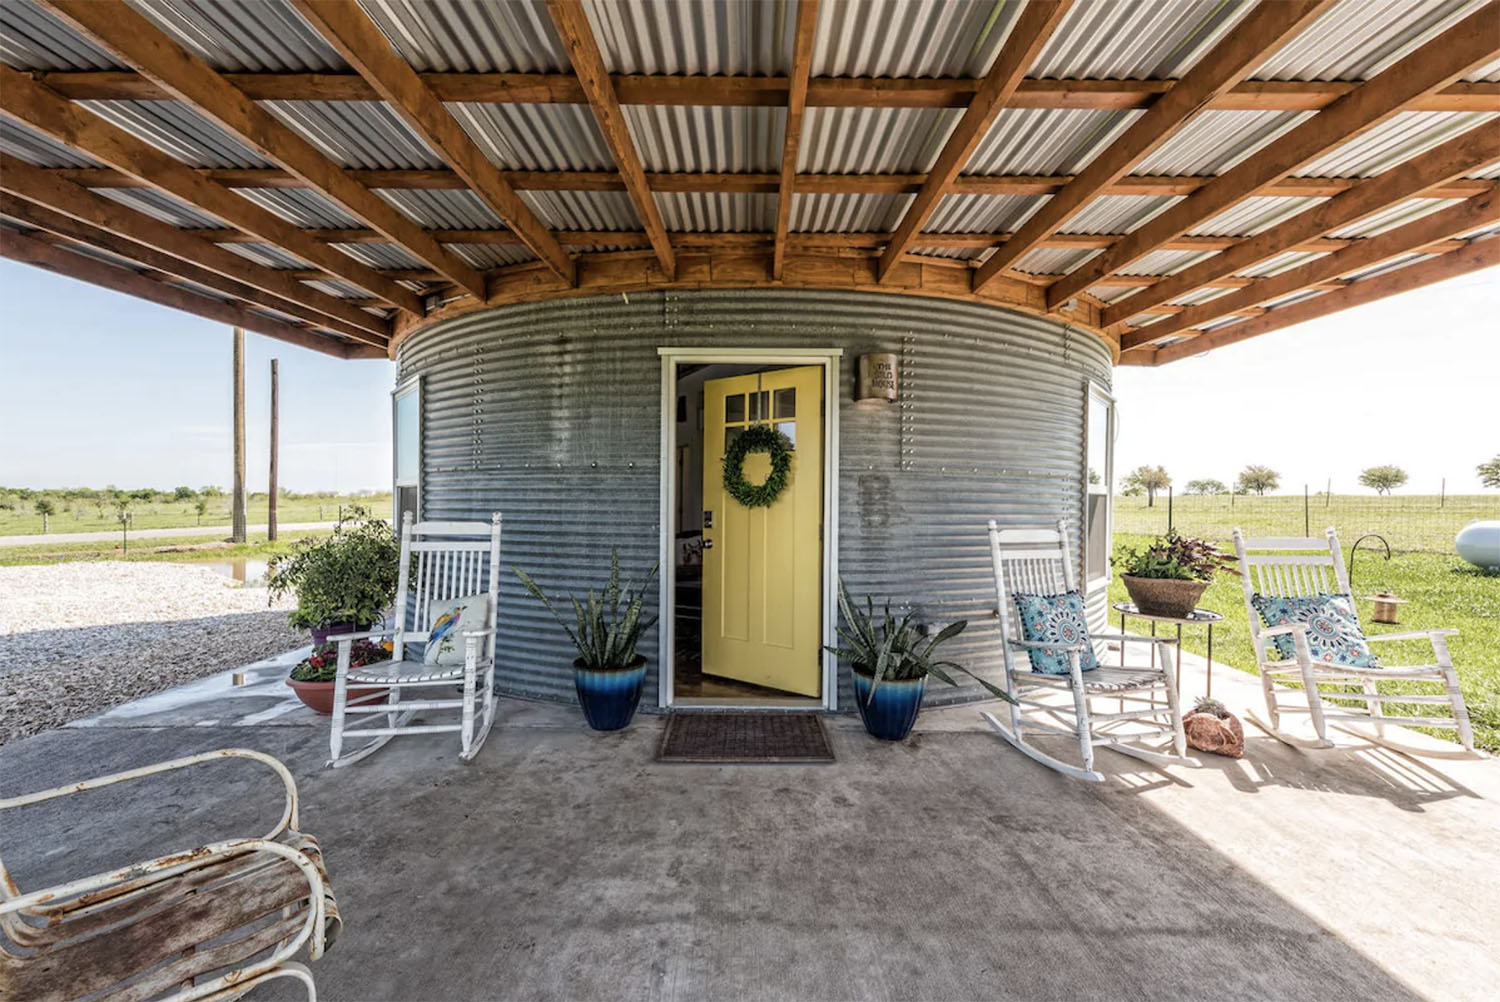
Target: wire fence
[1424, 523]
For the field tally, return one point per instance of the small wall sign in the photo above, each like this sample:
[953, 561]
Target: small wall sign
[877, 379]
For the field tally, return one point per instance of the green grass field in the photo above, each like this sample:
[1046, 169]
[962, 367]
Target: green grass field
[1407, 521]
[1441, 591]
[87, 516]
[176, 549]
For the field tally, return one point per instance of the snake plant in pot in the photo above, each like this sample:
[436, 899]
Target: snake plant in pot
[608, 672]
[890, 660]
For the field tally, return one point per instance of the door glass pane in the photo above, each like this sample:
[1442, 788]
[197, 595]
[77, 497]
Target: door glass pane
[789, 429]
[730, 434]
[734, 407]
[786, 402]
[760, 406]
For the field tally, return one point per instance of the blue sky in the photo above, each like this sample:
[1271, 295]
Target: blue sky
[101, 388]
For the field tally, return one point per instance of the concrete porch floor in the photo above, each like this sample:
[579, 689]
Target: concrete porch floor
[565, 864]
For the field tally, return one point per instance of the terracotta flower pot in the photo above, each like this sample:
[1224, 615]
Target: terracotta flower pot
[1164, 596]
[319, 695]
[892, 713]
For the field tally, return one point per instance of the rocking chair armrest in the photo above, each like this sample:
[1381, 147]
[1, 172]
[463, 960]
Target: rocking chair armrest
[288, 814]
[349, 638]
[1412, 635]
[1047, 645]
[1133, 638]
[1285, 629]
[490, 632]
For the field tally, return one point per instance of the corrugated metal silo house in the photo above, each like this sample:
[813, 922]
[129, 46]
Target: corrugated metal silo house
[604, 241]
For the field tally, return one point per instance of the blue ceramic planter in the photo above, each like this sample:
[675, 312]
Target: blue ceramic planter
[609, 698]
[892, 713]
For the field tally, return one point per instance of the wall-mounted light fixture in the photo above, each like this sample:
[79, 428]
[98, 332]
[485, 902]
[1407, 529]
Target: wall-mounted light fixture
[877, 380]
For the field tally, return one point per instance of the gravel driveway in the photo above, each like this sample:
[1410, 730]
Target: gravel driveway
[78, 638]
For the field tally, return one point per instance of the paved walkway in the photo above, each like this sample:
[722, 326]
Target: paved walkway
[222, 531]
[565, 864]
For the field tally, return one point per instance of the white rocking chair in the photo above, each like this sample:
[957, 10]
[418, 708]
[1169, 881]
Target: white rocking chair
[1036, 561]
[1267, 569]
[450, 563]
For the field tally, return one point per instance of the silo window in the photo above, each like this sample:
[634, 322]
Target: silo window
[1099, 472]
[406, 449]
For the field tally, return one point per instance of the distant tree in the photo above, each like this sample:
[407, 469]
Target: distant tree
[1093, 476]
[201, 507]
[1383, 478]
[46, 509]
[183, 494]
[1149, 479]
[1258, 479]
[1207, 486]
[1489, 473]
[210, 491]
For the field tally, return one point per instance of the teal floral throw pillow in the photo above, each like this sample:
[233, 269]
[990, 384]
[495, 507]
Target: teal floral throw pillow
[1055, 619]
[1333, 632]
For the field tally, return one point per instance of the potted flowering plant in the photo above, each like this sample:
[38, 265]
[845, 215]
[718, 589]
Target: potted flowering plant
[344, 582]
[312, 679]
[1169, 576]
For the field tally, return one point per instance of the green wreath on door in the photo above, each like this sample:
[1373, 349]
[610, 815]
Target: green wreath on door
[757, 438]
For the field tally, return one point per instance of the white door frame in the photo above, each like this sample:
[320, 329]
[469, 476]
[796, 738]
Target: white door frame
[829, 359]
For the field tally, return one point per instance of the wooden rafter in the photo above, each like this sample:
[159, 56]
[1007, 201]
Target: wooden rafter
[40, 108]
[588, 65]
[1474, 256]
[1036, 23]
[118, 28]
[802, 53]
[1475, 148]
[1472, 42]
[1262, 32]
[40, 253]
[1466, 217]
[733, 91]
[754, 183]
[62, 196]
[350, 31]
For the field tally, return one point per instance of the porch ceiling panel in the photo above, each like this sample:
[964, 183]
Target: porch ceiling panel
[873, 140]
[340, 290]
[1046, 140]
[1394, 215]
[1051, 260]
[443, 210]
[982, 213]
[847, 213]
[1343, 45]
[461, 36]
[705, 139]
[359, 134]
[947, 253]
[381, 255]
[1281, 263]
[1166, 262]
[1406, 135]
[535, 136]
[274, 257]
[261, 36]
[1253, 215]
[486, 256]
[869, 38]
[717, 212]
[1136, 39]
[583, 210]
[742, 39]
[32, 39]
[1214, 141]
[26, 143]
[1118, 213]
[177, 130]
[160, 205]
[302, 207]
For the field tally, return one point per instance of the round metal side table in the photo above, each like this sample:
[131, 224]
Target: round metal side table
[1199, 617]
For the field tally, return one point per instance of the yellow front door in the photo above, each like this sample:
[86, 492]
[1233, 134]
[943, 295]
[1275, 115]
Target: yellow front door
[763, 567]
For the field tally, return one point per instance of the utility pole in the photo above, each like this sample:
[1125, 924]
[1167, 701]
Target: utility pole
[271, 501]
[237, 501]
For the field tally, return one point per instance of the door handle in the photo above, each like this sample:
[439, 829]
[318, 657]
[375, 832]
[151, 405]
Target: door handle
[708, 544]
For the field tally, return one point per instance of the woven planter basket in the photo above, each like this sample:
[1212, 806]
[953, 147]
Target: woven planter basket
[1164, 596]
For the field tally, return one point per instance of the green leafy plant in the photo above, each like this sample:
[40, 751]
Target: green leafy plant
[605, 637]
[1174, 556]
[348, 577]
[892, 649]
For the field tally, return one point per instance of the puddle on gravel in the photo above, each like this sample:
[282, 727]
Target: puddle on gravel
[245, 571]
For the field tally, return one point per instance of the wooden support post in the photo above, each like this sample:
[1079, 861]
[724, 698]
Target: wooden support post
[237, 380]
[272, 486]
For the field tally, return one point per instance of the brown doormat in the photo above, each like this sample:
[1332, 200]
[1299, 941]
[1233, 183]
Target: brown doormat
[766, 738]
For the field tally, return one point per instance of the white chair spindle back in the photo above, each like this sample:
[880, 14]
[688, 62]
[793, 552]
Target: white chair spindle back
[1281, 567]
[450, 562]
[1027, 562]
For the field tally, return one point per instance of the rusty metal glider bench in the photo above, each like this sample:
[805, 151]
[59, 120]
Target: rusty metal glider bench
[208, 923]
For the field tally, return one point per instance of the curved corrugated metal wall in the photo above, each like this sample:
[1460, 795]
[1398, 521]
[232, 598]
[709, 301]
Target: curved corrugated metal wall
[549, 413]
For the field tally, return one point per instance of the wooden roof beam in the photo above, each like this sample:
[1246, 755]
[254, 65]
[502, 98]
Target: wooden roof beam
[40, 108]
[736, 91]
[1266, 29]
[46, 189]
[588, 64]
[1030, 32]
[41, 254]
[802, 53]
[1466, 217]
[1474, 256]
[345, 26]
[1475, 148]
[118, 28]
[1470, 43]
